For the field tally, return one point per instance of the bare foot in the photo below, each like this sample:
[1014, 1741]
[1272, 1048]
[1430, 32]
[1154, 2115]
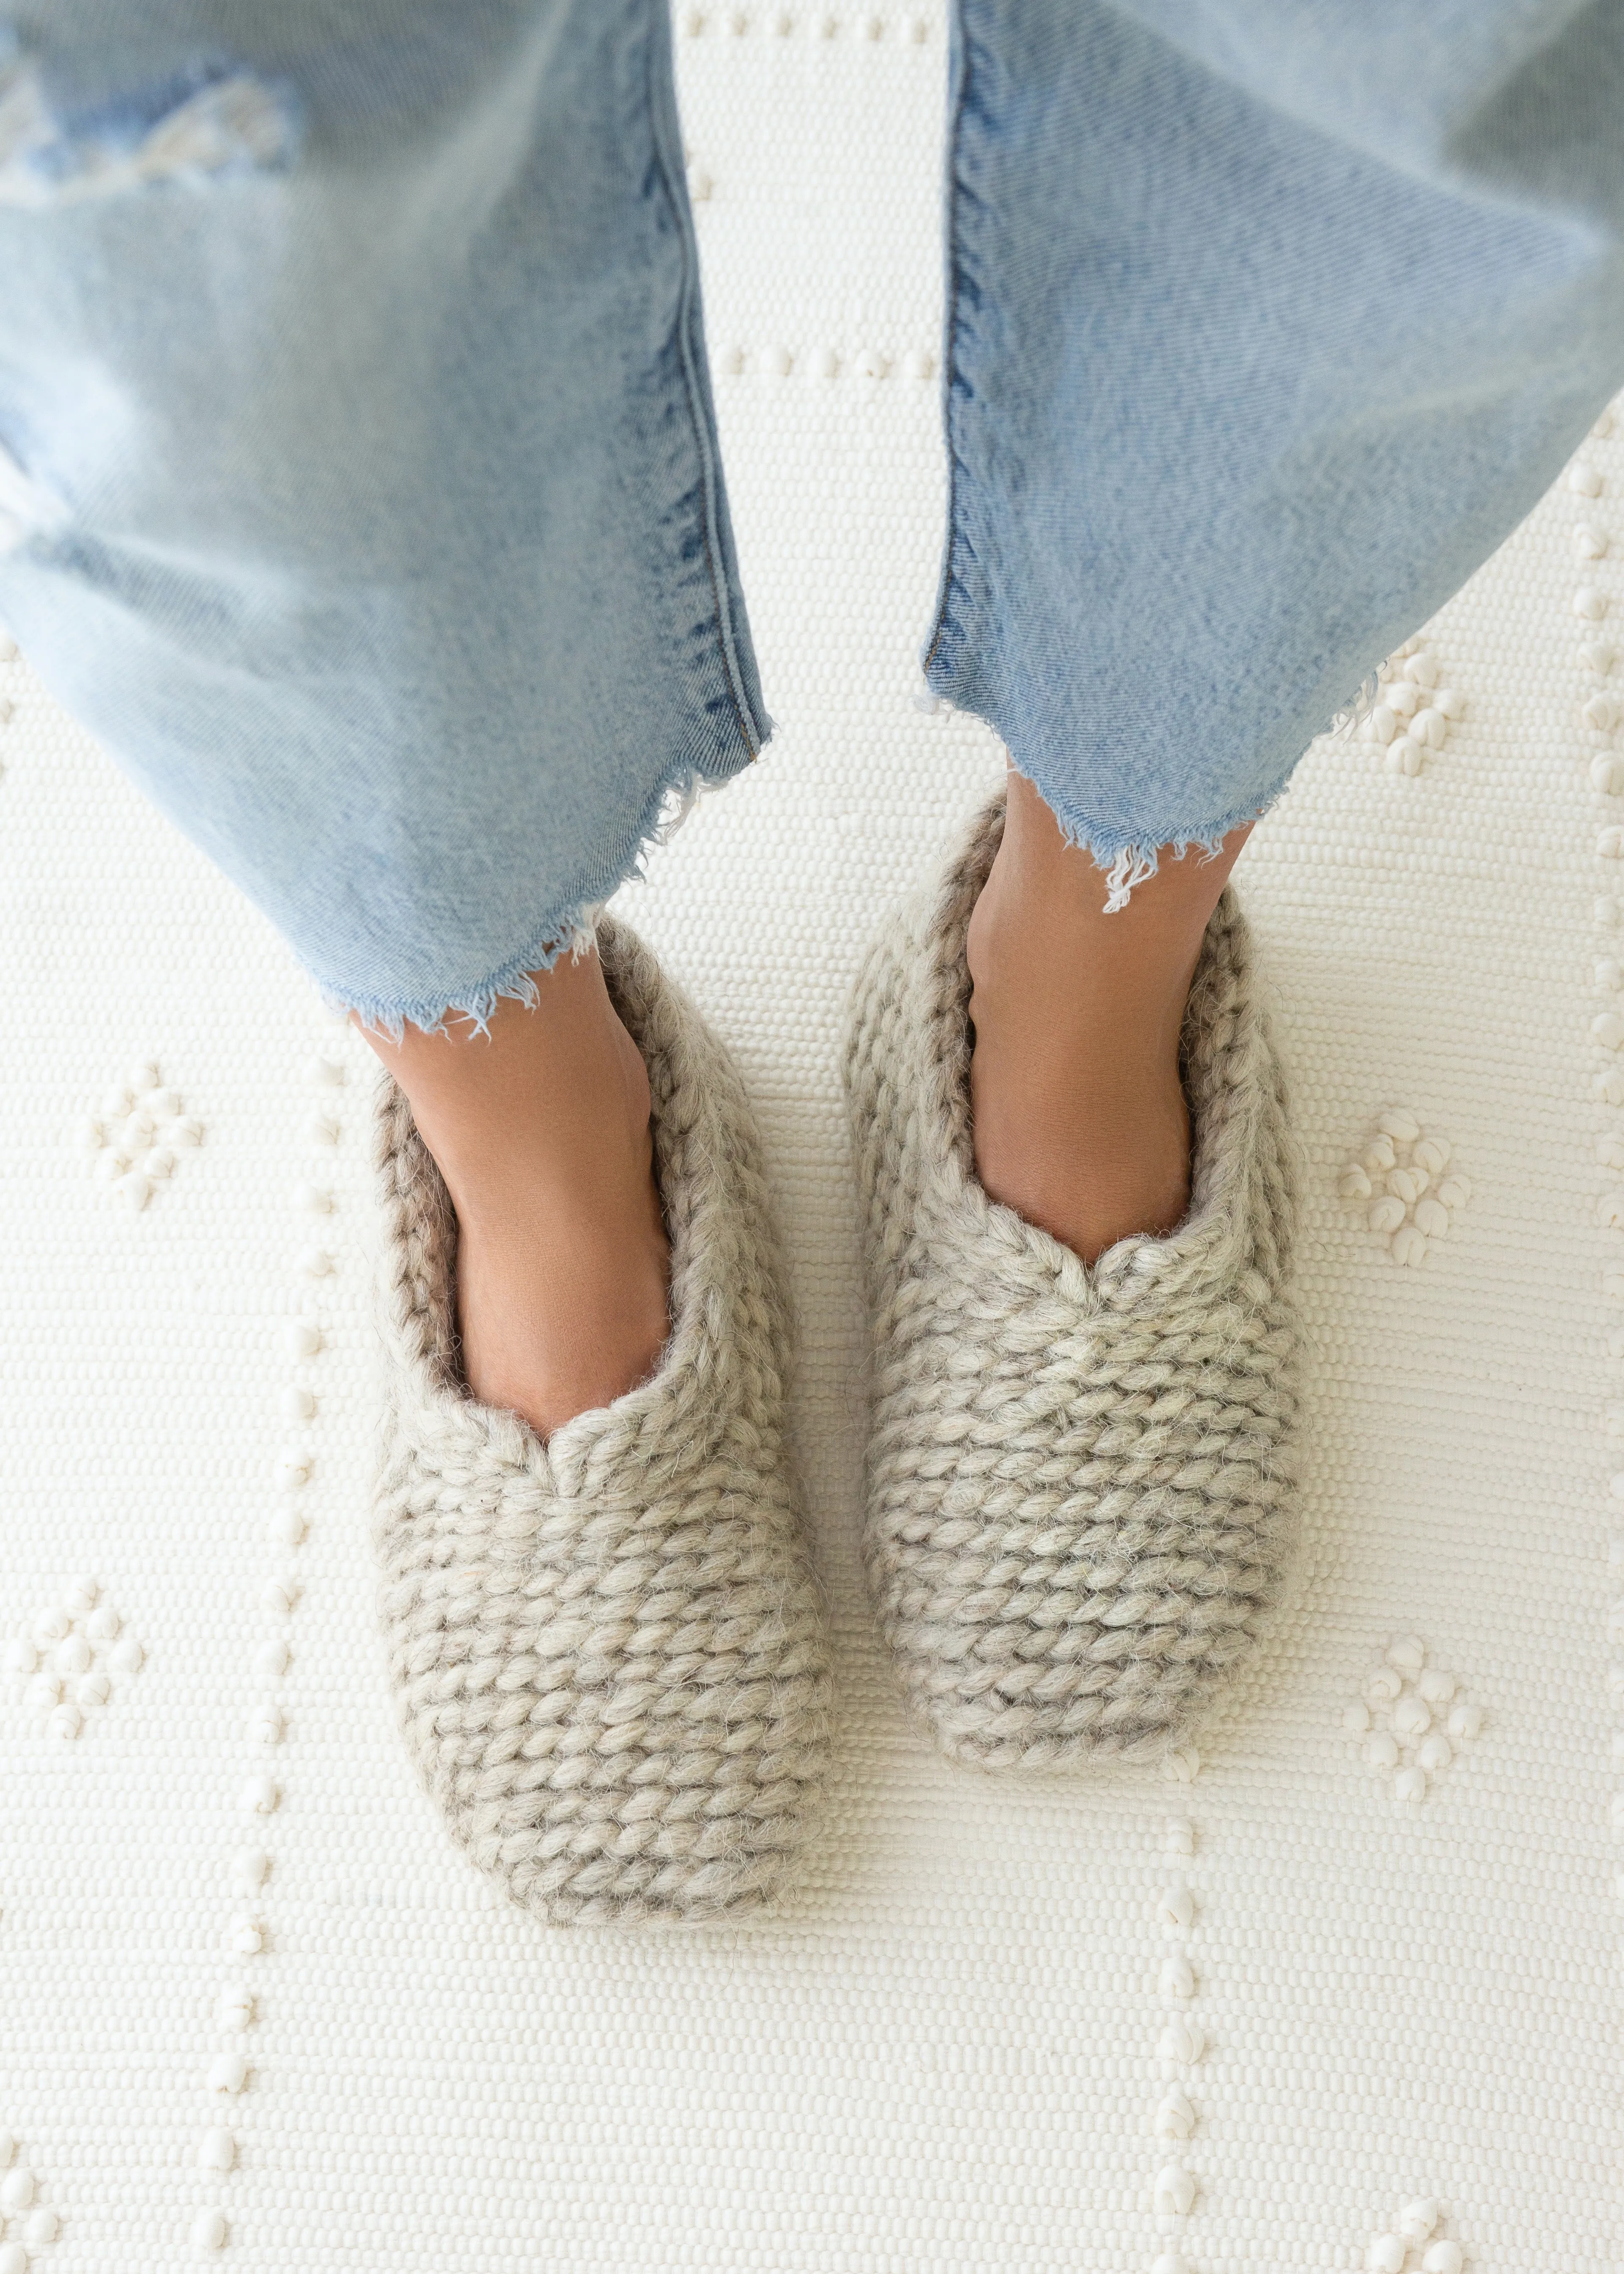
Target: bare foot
[1079, 1115]
[541, 1132]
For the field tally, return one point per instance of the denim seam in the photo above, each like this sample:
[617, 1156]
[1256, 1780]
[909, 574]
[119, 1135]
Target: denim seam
[682, 218]
[950, 343]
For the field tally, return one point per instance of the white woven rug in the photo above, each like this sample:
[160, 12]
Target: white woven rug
[956, 2055]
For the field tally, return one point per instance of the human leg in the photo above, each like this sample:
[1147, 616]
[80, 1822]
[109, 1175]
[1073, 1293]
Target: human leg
[1263, 331]
[1264, 325]
[362, 494]
[1081, 1123]
[365, 502]
[540, 1128]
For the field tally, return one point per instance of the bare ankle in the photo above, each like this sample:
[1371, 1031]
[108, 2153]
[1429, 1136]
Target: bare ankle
[1079, 1118]
[541, 1129]
[534, 1082]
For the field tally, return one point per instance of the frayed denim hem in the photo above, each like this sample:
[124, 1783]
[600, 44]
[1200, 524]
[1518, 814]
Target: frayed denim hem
[572, 931]
[1127, 861]
[1351, 716]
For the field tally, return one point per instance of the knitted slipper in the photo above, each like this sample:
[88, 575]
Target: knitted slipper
[1078, 1502]
[608, 1651]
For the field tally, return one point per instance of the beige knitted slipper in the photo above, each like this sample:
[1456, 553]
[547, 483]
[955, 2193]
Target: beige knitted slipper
[1078, 1503]
[608, 1651]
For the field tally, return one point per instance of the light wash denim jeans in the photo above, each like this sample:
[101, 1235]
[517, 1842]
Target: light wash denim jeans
[358, 475]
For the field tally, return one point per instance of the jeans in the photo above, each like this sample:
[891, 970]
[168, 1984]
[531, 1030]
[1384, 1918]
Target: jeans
[359, 483]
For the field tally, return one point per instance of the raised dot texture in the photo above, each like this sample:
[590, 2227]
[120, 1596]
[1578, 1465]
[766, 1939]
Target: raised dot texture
[1176, 1908]
[209, 2230]
[1175, 2191]
[228, 2073]
[1178, 1978]
[1176, 2117]
[250, 1870]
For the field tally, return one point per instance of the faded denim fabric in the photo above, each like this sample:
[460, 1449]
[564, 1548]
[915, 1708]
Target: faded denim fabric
[1267, 321]
[365, 499]
[359, 476]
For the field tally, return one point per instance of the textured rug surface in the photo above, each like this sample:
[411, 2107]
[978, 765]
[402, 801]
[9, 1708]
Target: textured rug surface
[1342, 1991]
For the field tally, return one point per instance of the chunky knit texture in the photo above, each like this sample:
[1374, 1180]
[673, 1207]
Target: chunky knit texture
[608, 1651]
[1078, 1492]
